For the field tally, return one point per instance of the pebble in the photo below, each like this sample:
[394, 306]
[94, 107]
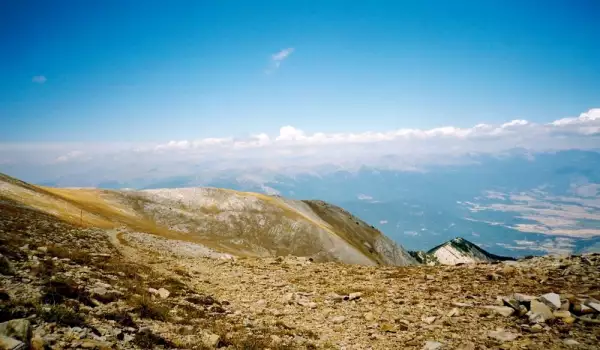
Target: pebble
[338, 319]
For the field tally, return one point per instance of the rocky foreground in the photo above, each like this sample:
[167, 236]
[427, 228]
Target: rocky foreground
[67, 287]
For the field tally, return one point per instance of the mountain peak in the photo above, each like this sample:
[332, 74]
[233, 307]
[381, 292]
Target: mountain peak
[456, 251]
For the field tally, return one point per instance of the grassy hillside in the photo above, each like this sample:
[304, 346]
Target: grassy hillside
[239, 223]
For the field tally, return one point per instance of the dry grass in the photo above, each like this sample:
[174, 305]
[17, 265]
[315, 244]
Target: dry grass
[57, 291]
[146, 307]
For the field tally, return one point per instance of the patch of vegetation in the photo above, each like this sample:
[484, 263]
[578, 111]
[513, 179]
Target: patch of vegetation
[11, 309]
[190, 313]
[5, 266]
[76, 255]
[148, 340]
[202, 300]
[173, 285]
[121, 317]
[10, 249]
[58, 290]
[63, 315]
[146, 307]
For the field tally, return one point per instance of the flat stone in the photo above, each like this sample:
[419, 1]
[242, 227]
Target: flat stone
[95, 344]
[511, 303]
[338, 319]
[540, 311]
[432, 345]
[571, 342]
[523, 298]
[502, 310]
[18, 329]
[428, 320]
[369, 316]
[552, 300]
[8, 343]
[562, 314]
[211, 340]
[453, 312]
[594, 304]
[462, 304]
[387, 327]
[503, 336]
[536, 328]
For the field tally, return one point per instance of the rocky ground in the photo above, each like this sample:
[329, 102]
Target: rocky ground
[66, 287]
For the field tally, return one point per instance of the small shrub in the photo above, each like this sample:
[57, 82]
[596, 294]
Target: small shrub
[62, 315]
[76, 255]
[148, 340]
[201, 300]
[57, 291]
[11, 309]
[5, 267]
[148, 308]
[122, 318]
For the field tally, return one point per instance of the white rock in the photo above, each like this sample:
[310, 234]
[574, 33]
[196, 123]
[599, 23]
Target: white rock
[432, 345]
[540, 312]
[428, 320]
[570, 342]
[502, 335]
[593, 304]
[552, 300]
[163, 293]
[354, 296]
[211, 340]
[453, 312]
[502, 310]
[338, 319]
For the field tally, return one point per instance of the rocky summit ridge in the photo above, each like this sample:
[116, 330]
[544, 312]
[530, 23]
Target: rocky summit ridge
[456, 251]
[70, 285]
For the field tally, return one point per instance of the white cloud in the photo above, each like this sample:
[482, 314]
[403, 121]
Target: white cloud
[364, 197]
[279, 57]
[40, 79]
[400, 149]
[69, 156]
[383, 222]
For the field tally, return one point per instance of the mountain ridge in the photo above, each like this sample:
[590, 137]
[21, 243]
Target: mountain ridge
[456, 251]
[227, 221]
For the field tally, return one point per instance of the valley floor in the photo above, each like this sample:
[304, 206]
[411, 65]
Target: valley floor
[91, 288]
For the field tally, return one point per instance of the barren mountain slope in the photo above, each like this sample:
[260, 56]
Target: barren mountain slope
[238, 223]
[68, 287]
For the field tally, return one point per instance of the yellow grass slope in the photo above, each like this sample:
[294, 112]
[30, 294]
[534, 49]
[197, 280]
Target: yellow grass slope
[240, 223]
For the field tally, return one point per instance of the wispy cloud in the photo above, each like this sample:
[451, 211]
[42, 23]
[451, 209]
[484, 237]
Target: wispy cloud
[69, 156]
[39, 79]
[279, 57]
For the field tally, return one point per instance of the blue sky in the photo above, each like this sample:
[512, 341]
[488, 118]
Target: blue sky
[108, 71]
